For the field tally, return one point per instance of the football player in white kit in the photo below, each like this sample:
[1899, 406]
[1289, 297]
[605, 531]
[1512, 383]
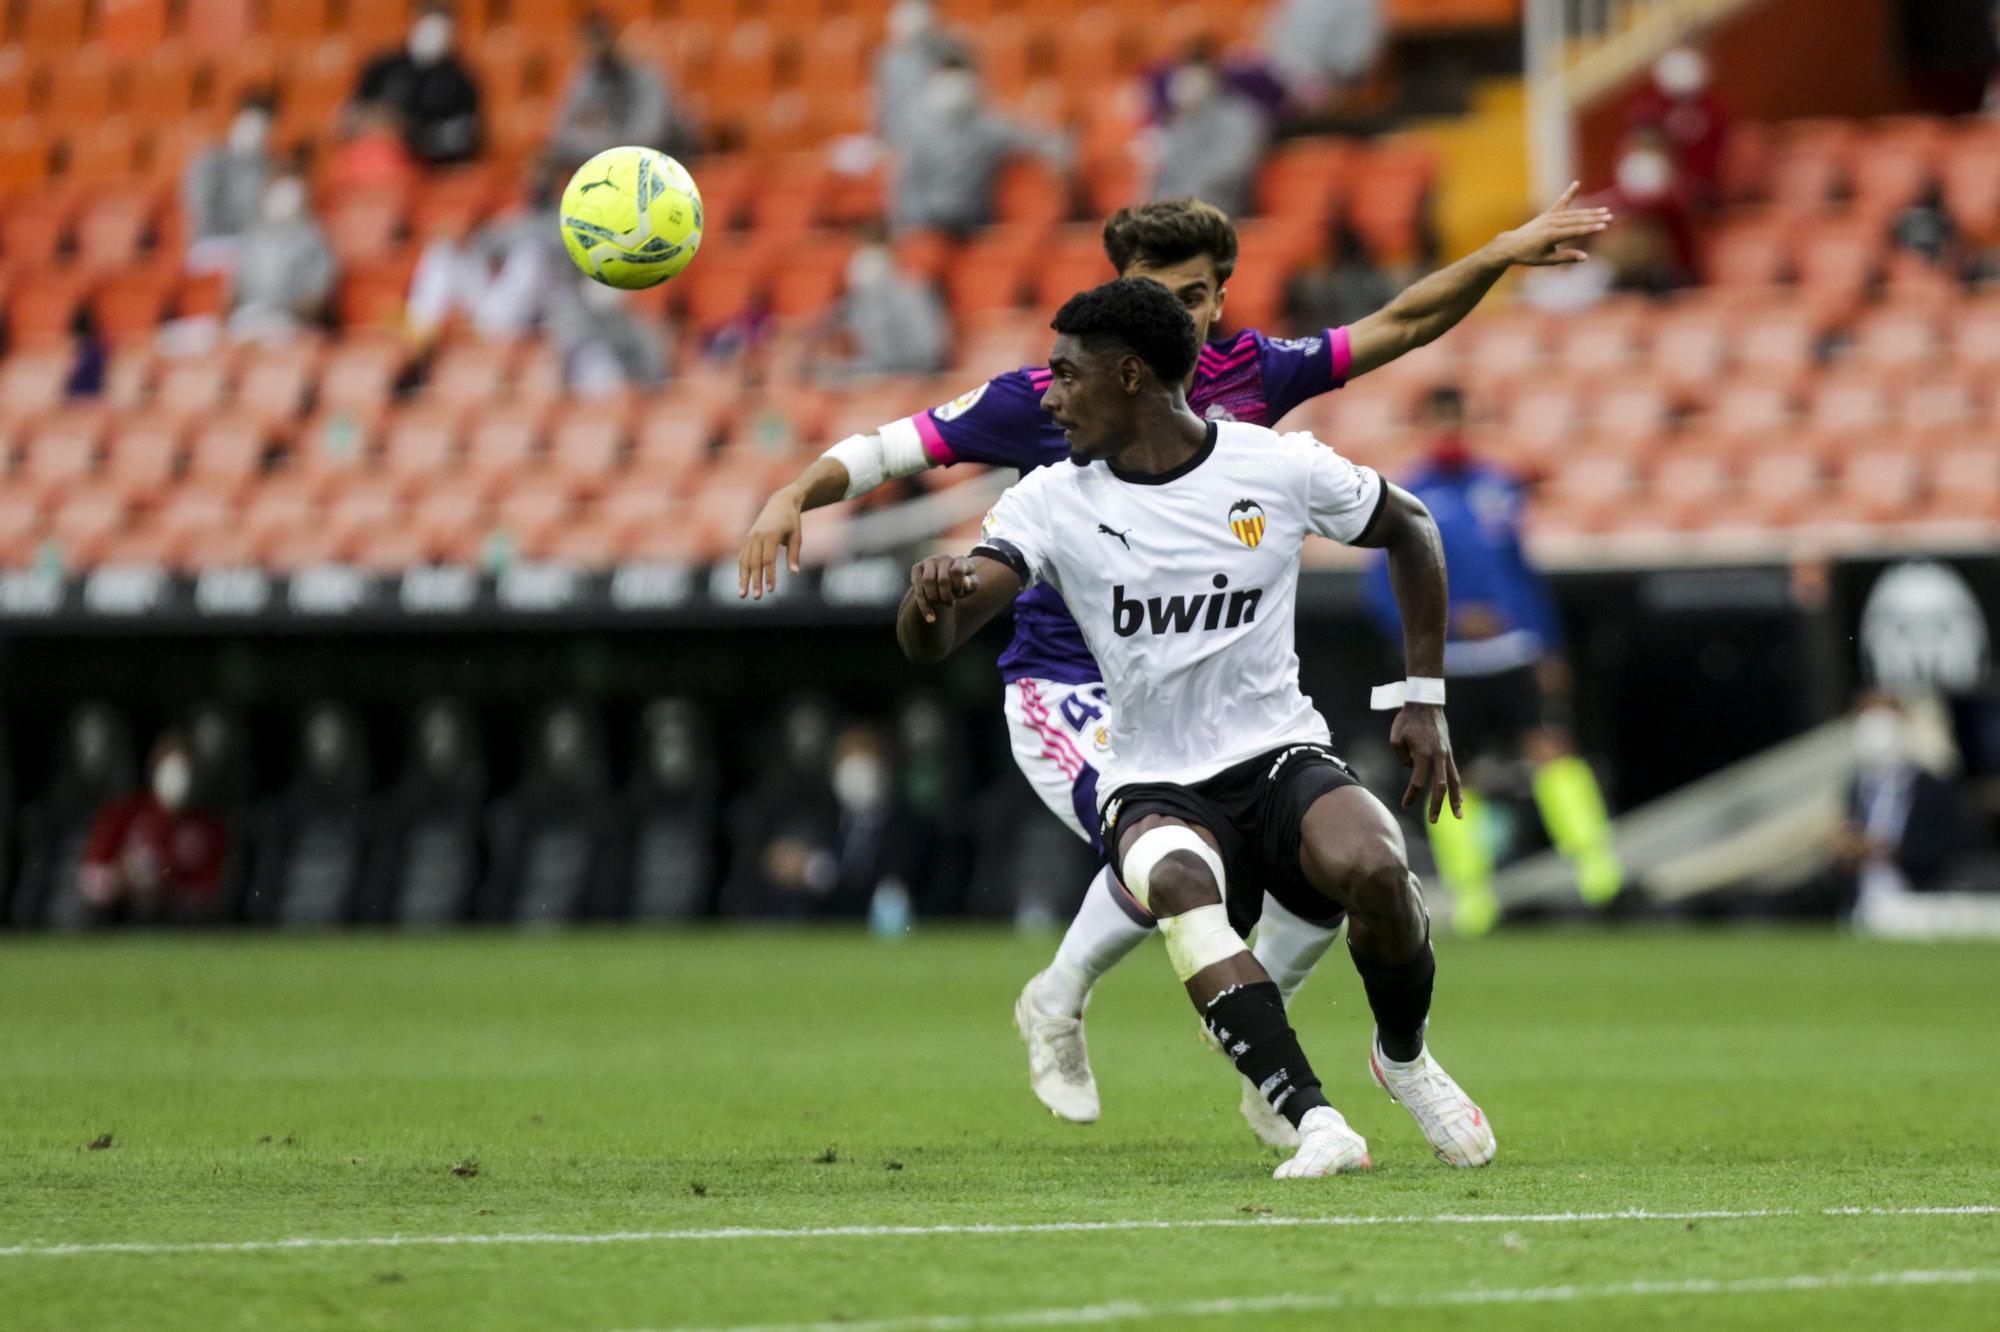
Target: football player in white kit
[1175, 543]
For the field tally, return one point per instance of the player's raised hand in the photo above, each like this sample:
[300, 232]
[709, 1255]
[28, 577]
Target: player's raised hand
[940, 582]
[1553, 237]
[777, 528]
[1423, 742]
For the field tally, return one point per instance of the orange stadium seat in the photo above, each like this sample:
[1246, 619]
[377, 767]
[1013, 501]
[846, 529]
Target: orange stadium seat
[1896, 338]
[131, 25]
[724, 285]
[1004, 45]
[1503, 349]
[40, 313]
[363, 228]
[376, 24]
[224, 548]
[1836, 260]
[50, 27]
[390, 549]
[1932, 405]
[1969, 172]
[1847, 405]
[362, 506]
[80, 86]
[273, 385]
[1031, 191]
[1893, 164]
[226, 452]
[1602, 341]
[24, 155]
[588, 444]
[1881, 485]
[628, 512]
[1749, 412]
[1965, 483]
[84, 523]
[16, 82]
[109, 233]
[63, 452]
[499, 445]
[585, 543]
[1631, 414]
[1593, 487]
[32, 383]
[532, 509]
[1811, 164]
[451, 519]
[193, 386]
[361, 374]
[421, 443]
[22, 523]
[471, 374]
[992, 271]
[190, 511]
[160, 85]
[1782, 484]
[129, 308]
[129, 375]
[218, 25]
[1750, 250]
[1779, 340]
[145, 455]
[811, 274]
[1689, 487]
[1975, 335]
[1070, 261]
[1543, 414]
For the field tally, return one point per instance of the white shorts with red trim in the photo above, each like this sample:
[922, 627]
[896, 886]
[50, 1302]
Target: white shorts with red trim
[1061, 735]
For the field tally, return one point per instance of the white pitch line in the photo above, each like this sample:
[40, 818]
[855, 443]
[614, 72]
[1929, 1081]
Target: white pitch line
[1128, 1310]
[1002, 1228]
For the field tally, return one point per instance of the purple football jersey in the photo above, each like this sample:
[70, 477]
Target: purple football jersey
[1247, 378]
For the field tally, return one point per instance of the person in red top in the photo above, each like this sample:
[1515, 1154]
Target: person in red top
[153, 854]
[1679, 103]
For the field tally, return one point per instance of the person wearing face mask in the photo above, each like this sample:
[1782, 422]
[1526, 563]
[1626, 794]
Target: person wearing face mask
[915, 49]
[431, 92]
[224, 187]
[848, 857]
[1211, 142]
[950, 159]
[285, 268]
[1904, 828]
[894, 325]
[1693, 123]
[1504, 660]
[156, 854]
[606, 349]
[611, 101]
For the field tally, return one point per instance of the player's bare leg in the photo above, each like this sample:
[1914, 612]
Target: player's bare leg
[1049, 1011]
[1352, 850]
[1174, 869]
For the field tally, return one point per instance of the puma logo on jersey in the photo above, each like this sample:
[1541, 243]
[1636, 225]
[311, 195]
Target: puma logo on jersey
[1183, 614]
[1111, 531]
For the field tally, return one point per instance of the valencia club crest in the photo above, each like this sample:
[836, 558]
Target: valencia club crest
[1246, 519]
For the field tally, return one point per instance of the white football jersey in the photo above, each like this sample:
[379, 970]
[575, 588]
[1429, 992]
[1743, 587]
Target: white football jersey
[1185, 585]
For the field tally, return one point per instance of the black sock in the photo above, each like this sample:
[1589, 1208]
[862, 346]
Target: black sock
[1400, 995]
[1250, 1023]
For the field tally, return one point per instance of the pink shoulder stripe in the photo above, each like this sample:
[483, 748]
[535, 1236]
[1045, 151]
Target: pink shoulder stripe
[1340, 347]
[934, 445]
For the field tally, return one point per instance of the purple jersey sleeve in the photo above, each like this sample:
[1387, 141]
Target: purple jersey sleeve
[1001, 422]
[1296, 369]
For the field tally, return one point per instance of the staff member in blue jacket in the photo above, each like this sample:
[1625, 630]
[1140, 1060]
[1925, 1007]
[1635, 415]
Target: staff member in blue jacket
[1510, 683]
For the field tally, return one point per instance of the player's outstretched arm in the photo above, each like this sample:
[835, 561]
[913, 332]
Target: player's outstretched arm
[1405, 530]
[778, 523]
[951, 598]
[1428, 309]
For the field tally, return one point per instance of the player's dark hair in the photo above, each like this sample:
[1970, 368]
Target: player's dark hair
[1139, 315]
[1171, 231]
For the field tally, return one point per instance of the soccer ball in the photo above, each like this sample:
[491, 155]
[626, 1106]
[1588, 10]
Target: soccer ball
[631, 217]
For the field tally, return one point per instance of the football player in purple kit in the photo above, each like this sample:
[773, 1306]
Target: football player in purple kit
[1057, 711]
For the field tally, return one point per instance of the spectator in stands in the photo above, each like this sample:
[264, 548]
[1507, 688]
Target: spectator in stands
[431, 92]
[1508, 676]
[1925, 234]
[1904, 829]
[505, 276]
[894, 324]
[1323, 49]
[224, 185]
[606, 349]
[1339, 291]
[953, 155]
[285, 269]
[903, 69]
[1651, 246]
[612, 101]
[1241, 71]
[1211, 142]
[1680, 105]
[156, 854]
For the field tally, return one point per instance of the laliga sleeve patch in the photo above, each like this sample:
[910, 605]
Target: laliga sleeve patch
[960, 405]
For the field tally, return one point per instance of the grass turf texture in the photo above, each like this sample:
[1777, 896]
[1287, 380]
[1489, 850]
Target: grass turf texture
[268, 1087]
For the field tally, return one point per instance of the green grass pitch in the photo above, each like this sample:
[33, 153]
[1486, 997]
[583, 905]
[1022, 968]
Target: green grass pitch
[658, 1088]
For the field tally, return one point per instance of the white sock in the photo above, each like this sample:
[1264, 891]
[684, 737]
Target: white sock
[1096, 941]
[1289, 946]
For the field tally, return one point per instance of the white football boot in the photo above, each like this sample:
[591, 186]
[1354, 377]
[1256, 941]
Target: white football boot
[1453, 1125]
[1058, 1064]
[1326, 1147]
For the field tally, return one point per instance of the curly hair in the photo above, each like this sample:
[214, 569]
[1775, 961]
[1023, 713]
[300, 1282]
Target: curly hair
[1171, 231]
[1138, 314]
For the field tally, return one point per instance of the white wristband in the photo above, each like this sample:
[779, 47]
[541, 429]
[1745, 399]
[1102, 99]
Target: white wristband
[1416, 689]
